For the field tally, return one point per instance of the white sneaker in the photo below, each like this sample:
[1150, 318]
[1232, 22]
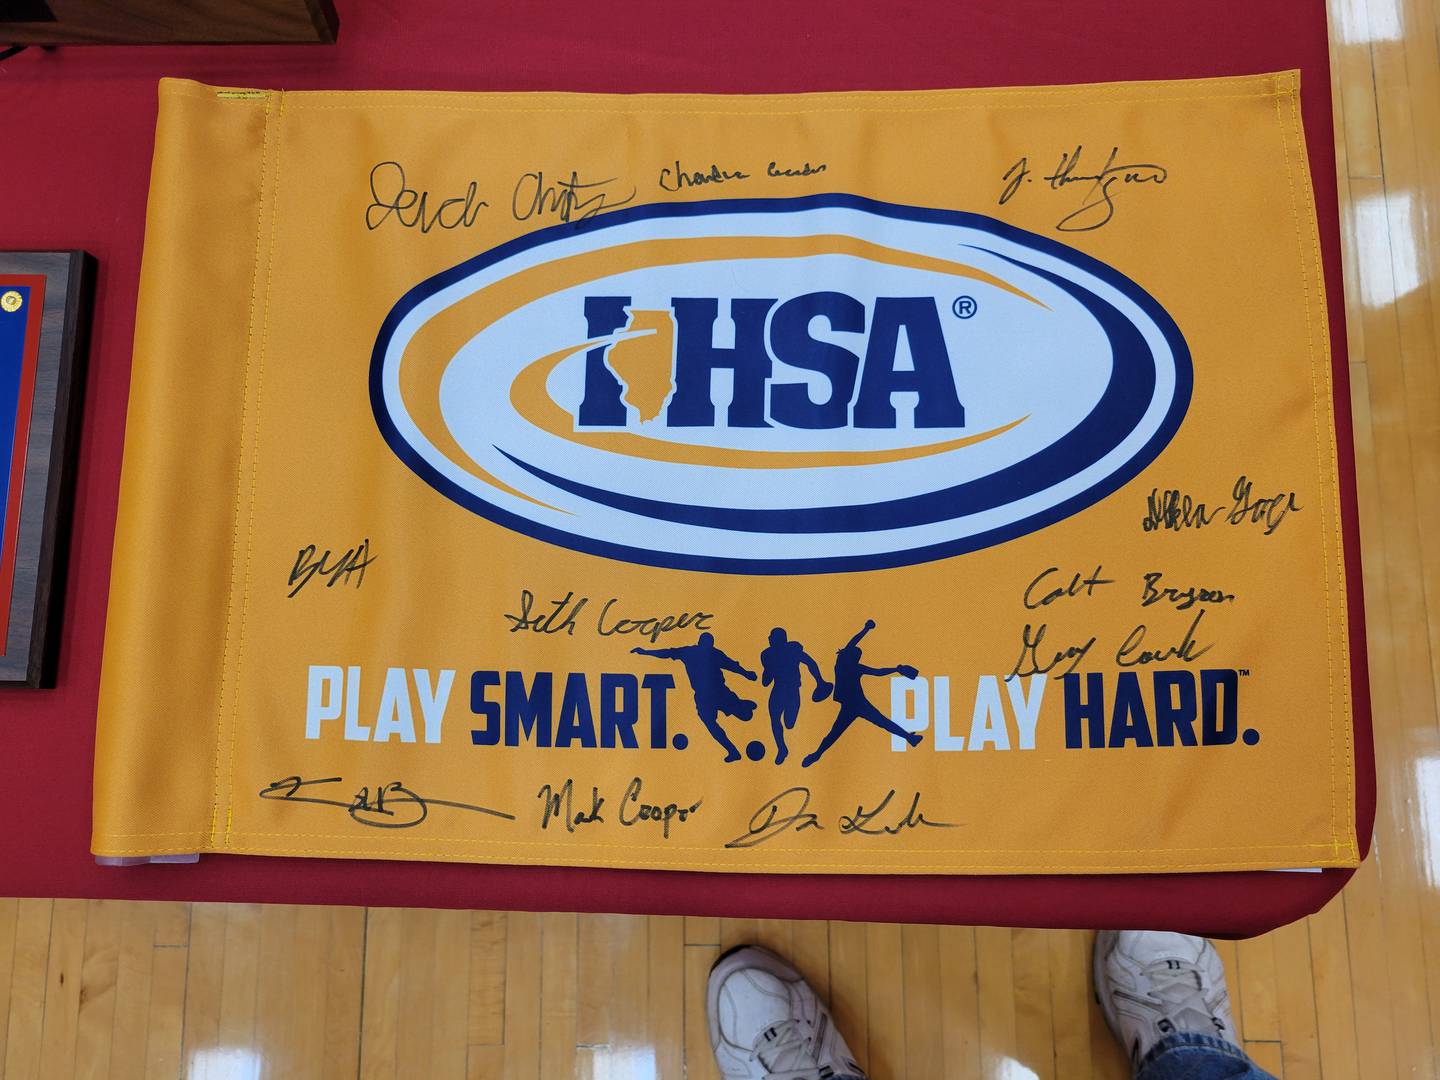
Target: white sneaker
[767, 1024]
[1151, 984]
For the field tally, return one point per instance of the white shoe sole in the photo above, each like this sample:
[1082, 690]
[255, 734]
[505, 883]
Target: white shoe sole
[1107, 1007]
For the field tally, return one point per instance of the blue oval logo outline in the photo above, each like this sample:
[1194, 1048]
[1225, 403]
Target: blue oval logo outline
[1115, 413]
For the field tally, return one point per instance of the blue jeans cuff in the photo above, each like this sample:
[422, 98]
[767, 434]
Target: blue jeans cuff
[1177, 1056]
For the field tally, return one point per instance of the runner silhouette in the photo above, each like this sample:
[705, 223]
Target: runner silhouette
[851, 696]
[780, 670]
[705, 666]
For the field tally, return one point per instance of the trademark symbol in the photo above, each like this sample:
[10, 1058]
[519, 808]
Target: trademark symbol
[965, 307]
[1244, 672]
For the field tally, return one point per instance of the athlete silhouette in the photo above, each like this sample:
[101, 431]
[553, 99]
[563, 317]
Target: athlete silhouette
[705, 667]
[780, 670]
[851, 696]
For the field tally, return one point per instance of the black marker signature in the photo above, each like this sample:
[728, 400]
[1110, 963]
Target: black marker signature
[388, 806]
[307, 566]
[679, 178]
[559, 620]
[633, 811]
[651, 626]
[777, 170]
[1131, 655]
[1031, 662]
[391, 195]
[778, 815]
[566, 199]
[1173, 509]
[1098, 205]
[1152, 592]
[1036, 599]
[863, 821]
[1270, 510]
[561, 804]
[558, 804]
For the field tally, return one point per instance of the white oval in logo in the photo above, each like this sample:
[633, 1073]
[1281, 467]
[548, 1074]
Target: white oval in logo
[779, 385]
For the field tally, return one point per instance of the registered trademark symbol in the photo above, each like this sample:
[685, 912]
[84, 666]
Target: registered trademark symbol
[965, 307]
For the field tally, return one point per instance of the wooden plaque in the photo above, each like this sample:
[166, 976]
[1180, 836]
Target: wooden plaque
[150, 22]
[44, 318]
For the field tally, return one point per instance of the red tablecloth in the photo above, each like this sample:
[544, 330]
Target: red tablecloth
[76, 130]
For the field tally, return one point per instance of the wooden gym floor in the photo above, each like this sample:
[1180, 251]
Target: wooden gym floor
[240, 992]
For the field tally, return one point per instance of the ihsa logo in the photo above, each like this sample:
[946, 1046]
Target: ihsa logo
[779, 385]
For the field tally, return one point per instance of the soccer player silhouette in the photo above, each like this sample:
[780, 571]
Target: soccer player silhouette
[705, 667]
[851, 696]
[780, 670]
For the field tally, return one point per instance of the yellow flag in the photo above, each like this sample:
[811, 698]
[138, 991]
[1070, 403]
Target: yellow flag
[935, 482]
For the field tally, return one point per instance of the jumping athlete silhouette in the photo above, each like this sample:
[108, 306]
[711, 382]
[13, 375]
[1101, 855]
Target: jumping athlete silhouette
[780, 670]
[851, 696]
[705, 666]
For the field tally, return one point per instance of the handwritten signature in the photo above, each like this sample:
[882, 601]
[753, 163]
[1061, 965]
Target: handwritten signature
[1176, 511]
[348, 565]
[1130, 654]
[560, 619]
[1183, 598]
[558, 804]
[386, 806]
[1034, 660]
[679, 178]
[777, 170]
[863, 821]
[789, 812]
[1035, 598]
[1097, 206]
[566, 199]
[563, 614]
[391, 196]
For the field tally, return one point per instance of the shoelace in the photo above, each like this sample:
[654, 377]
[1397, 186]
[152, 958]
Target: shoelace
[785, 1051]
[1182, 991]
